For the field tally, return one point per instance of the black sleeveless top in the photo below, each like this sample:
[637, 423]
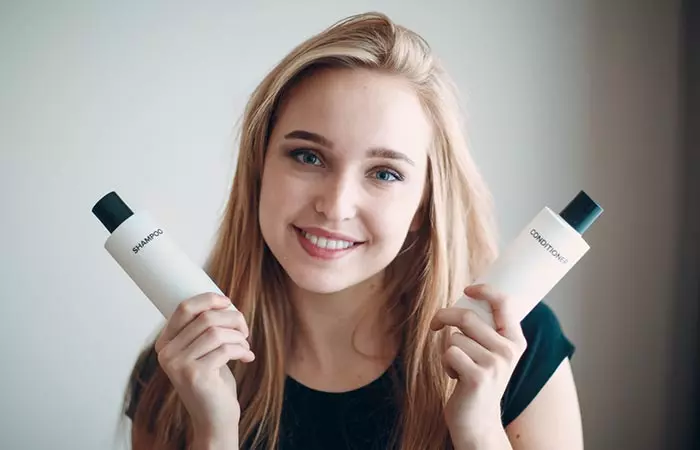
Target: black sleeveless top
[364, 418]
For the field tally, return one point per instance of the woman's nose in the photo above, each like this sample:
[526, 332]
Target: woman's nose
[337, 198]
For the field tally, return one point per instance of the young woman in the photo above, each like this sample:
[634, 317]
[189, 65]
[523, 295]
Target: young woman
[356, 219]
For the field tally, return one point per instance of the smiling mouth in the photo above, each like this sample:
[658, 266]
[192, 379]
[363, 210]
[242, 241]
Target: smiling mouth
[324, 247]
[325, 242]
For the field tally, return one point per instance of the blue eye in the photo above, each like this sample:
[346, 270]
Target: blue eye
[387, 176]
[306, 157]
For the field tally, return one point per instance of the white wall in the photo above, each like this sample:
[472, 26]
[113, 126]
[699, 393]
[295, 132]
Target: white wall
[143, 99]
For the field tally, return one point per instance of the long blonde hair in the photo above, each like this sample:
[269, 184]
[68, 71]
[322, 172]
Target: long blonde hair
[454, 244]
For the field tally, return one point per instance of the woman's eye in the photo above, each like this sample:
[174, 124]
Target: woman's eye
[306, 157]
[387, 176]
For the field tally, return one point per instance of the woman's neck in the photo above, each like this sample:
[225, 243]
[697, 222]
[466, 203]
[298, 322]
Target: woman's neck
[342, 336]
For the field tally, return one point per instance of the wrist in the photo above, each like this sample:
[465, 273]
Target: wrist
[214, 441]
[495, 439]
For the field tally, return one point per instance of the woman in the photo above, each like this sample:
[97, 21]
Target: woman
[355, 221]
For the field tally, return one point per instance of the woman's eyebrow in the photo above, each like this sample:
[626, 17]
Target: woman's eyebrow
[381, 152]
[377, 152]
[309, 136]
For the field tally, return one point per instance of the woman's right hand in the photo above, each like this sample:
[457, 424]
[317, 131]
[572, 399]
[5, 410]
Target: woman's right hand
[198, 340]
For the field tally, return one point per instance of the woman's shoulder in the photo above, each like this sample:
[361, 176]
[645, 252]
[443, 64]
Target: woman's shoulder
[541, 321]
[547, 347]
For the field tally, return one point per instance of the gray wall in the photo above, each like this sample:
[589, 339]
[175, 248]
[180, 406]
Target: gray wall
[561, 95]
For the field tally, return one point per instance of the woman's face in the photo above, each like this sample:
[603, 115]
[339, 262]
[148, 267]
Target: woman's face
[344, 176]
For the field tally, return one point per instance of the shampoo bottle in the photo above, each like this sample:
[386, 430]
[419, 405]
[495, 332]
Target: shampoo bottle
[544, 251]
[148, 255]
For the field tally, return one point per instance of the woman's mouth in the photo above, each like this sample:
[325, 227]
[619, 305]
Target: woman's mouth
[324, 245]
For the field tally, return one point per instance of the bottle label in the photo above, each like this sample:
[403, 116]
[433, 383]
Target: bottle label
[164, 273]
[138, 247]
[547, 246]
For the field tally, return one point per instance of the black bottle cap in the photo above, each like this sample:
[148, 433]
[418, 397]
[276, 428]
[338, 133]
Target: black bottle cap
[111, 211]
[581, 212]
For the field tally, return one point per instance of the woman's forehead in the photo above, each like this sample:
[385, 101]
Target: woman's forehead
[358, 109]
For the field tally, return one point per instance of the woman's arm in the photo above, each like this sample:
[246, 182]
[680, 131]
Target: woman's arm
[553, 420]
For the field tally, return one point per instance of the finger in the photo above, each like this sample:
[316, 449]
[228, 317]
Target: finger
[470, 324]
[450, 371]
[473, 349]
[211, 339]
[186, 312]
[223, 354]
[213, 318]
[502, 307]
[459, 363]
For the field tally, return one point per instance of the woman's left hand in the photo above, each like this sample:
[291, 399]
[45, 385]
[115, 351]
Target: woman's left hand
[482, 359]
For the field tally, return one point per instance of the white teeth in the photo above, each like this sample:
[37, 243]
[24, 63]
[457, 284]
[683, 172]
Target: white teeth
[330, 244]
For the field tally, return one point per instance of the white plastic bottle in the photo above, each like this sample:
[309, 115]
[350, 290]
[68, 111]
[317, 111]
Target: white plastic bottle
[163, 272]
[547, 248]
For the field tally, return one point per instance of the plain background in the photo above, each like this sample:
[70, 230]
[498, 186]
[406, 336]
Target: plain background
[144, 97]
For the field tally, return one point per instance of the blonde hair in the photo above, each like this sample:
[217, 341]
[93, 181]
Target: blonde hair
[454, 244]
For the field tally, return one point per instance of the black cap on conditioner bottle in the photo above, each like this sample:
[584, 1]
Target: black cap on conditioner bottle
[148, 255]
[581, 212]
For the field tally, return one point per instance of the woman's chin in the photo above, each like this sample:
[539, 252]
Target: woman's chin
[323, 280]
[320, 284]
[326, 282]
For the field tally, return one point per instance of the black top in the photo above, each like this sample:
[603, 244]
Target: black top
[363, 418]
